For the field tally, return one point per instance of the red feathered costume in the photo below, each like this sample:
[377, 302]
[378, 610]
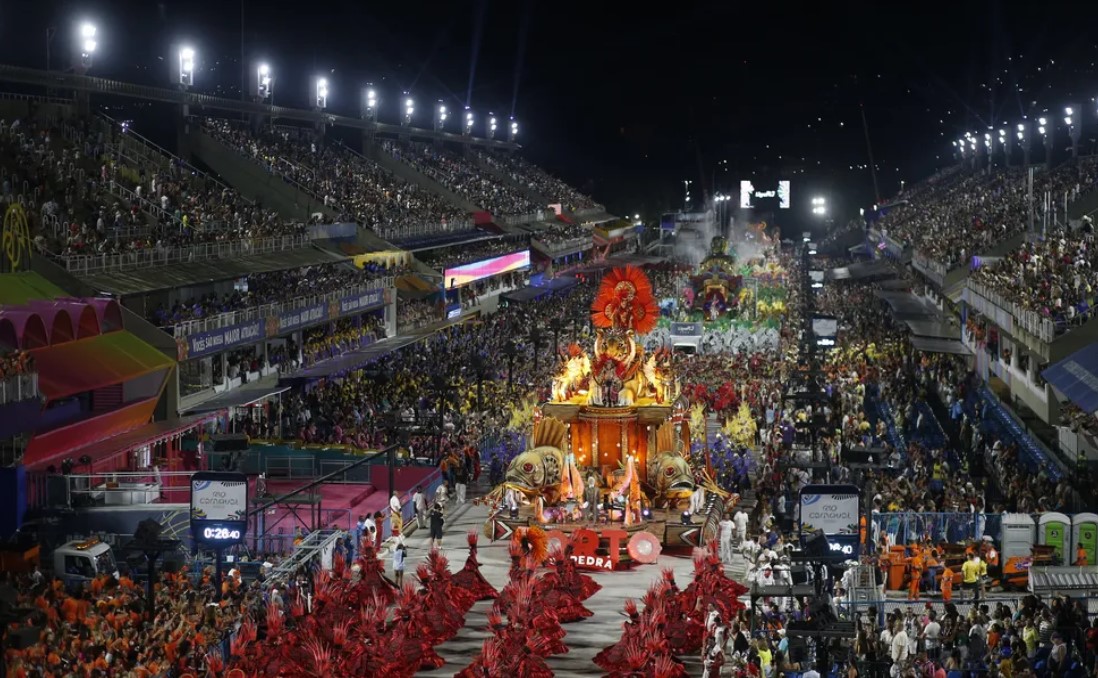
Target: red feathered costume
[469, 577]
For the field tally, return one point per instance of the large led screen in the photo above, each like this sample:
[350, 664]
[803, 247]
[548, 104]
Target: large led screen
[479, 270]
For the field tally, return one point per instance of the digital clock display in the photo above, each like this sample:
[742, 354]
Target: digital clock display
[221, 534]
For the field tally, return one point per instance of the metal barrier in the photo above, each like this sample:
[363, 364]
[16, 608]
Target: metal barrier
[903, 528]
[128, 261]
[130, 488]
[18, 388]
[230, 318]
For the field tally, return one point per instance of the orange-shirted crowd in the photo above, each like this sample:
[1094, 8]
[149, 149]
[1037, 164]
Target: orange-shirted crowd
[104, 629]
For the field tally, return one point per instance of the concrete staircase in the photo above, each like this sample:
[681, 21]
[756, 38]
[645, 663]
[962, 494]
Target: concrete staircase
[254, 181]
[414, 176]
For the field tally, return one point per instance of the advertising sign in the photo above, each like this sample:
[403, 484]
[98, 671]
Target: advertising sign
[288, 321]
[835, 509]
[222, 339]
[686, 329]
[357, 303]
[219, 508]
[479, 270]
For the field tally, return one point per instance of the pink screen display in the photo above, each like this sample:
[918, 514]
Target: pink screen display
[467, 273]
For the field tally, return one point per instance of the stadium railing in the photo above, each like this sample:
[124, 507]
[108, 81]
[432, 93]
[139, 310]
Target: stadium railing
[18, 387]
[97, 263]
[230, 318]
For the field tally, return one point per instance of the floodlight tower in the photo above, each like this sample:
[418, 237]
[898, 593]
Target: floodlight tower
[1004, 142]
[321, 98]
[467, 123]
[409, 110]
[441, 114]
[1024, 132]
[183, 75]
[86, 45]
[264, 83]
[369, 103]
[512, 132]
[1073, 120]
[490, 125]
[1045, 129]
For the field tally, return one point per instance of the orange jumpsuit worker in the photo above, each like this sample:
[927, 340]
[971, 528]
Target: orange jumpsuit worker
[947, 585]
[1080, 557]
[915, 563]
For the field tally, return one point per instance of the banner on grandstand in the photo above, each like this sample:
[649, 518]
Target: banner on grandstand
[479, 270]
[835, 509]
[288, 321]
[215, 341]
[686, 329]
[357, 303]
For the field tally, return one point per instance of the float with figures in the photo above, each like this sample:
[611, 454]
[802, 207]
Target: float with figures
[609, 466]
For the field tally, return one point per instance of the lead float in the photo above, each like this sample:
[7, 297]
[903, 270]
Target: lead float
[608, 466]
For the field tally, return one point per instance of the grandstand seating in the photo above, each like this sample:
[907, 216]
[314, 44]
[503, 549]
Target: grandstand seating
[538, 181]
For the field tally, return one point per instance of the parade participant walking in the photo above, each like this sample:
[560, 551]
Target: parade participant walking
[437, 518]
[419, 501]
[398, 564]
[396, 514]
[726, 527]
[461, 479]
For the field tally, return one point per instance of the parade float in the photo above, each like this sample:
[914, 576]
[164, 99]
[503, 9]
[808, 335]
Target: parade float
[608, 467]
[717, 286]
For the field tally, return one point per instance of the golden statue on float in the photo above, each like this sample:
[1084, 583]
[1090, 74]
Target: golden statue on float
[612, 447]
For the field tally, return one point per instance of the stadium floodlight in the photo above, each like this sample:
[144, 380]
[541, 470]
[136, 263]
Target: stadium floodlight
[264, 82]
[409, 110]
[819, 201]
[491, 124]
[369, 104]
[321, 93]
[1074, 124]
[467, 129]
[1021, 131]
[441, 114]
[512, 131]
[186, 67]
[87, 45]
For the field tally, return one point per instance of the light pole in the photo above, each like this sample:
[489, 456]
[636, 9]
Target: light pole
[512, 132]
[409, 110]
[321, 93]
[264, 83]
[1004, 141]
[1073, 119]
[1045, 132]
[1023, 135]
[467, 128]
[185, 75]
[686, 198]
[440, 116]
[87, 45]
[369, 104]
[491, 125]
[988, 149]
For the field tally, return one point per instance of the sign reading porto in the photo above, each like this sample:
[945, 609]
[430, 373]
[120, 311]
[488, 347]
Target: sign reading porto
[219, 508]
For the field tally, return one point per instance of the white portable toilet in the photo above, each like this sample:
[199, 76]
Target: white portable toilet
[1054, 529]
[1084, 535]
[1019, 535]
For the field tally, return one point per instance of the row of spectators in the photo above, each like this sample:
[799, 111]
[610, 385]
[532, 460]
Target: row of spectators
[462, 177]
[558, 233]
[15, 363]
[344, 181]
[965, 215]
[446, 257]
[537, 180]
[1055, 277]
[273, 287]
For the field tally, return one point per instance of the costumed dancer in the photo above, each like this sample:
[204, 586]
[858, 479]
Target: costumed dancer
[554, 595]
[469, 577]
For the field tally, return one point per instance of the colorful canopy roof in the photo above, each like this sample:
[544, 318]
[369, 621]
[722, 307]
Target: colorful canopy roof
[88, 364]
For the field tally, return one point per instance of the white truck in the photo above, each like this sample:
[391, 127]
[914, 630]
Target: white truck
[78, 561]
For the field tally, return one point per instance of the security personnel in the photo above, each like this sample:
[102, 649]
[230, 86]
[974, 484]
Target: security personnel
[970, 575]
[947, 585]
[915, 572]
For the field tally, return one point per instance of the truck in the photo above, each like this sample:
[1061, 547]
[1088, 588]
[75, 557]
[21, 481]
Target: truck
[79, 561]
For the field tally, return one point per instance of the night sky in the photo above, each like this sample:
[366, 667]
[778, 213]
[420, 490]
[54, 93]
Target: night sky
[626, 102]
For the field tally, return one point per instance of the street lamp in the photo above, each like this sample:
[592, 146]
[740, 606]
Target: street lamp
[321, 93]
[467, 130]
[409, 110]
[440, 116]
[491, 125]
[186, 67]
[264, 82]
[513, 131]
[369, 104]
[87, 44]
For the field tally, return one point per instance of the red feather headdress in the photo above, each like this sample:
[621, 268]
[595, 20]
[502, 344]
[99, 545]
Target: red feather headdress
[626, 302]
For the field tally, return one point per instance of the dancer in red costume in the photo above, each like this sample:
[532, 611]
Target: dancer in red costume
[613, 658]
[567, 577]
[469, 577]
[371, 578]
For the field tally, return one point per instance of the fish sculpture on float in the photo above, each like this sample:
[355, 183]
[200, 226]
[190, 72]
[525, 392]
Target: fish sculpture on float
[669, 473]
[545, 470]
